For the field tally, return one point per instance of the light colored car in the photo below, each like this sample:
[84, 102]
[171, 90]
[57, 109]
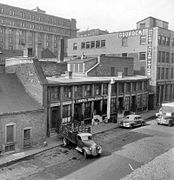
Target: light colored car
[132, 121]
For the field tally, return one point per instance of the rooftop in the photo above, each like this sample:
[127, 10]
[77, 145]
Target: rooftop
[13, 97]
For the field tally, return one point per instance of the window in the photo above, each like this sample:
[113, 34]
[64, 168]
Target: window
[92, 44]
[87, 110]
[172, 59]
[167, 57]
[67, 92]
[162, 73]
[158, 73]
[139, 86]
[103, 43]
[134, 86]
[124, 54]
[121, 88]
[87, 45]
[124, 41]
[142, 56]
[82, 45]
[128, 87]
[10, 137]
[168, 41]
[74, 46]
[113, 105]
[142, 25]
[167, 73]
[55, 93]
[88, 90]
[171, 73]
[159, 39]
[97, 89]
[105, 89]
[142, 39]
[112, 71]
[126, 71]
[27, 137]
[164, 40]
[159, 56]
[173, 42]
[78, 91]
[114, 89]
[97, 44]
[66, 114]
[163, 56]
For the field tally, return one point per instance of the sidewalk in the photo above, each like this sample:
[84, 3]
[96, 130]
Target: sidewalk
[6, 160]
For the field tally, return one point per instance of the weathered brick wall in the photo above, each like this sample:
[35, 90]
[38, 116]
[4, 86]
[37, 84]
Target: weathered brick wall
[104, 68]
[53, 68]
[27, 75]
[35, 119]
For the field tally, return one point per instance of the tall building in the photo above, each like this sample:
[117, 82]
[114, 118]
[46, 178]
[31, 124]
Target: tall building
[34, 31]
[151, 45]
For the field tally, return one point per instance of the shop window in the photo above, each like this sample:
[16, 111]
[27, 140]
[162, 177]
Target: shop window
[92, 44]
[103, 43]
[67, 92]
[82, 45]
[66, 114]
[97, 44]
[142, 40]
[124, 41]
[97, 89]
[10, 137]
[105, 89]
[142, 56]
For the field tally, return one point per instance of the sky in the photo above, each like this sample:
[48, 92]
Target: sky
[111, 15]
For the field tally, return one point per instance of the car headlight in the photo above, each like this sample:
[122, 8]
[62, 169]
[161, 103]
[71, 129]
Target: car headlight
[90, 148]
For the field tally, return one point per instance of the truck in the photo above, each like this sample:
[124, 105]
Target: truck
[82, 138]
[165, 115]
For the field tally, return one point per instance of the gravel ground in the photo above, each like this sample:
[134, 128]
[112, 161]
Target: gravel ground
[160, 168]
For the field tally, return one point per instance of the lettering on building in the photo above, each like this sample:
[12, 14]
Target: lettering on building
[149, 52]
[137, 32]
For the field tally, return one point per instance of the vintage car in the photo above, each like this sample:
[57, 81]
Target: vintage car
[132, 121]
[165, 120]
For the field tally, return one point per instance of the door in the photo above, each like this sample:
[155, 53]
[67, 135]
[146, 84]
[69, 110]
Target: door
[55, 121]
[78, 113]
[27, 138]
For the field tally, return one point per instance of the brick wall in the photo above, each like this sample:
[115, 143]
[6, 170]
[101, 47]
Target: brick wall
[119, 63]
[27, 75]
[35, 120]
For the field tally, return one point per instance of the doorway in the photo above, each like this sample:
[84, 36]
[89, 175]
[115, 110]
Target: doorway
[97, 110]
[55, 122]
[78, 117]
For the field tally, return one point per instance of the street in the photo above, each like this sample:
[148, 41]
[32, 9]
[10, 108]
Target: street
[124, 150]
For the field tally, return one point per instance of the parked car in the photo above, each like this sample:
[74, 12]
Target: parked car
[132, 121]
[165, 120]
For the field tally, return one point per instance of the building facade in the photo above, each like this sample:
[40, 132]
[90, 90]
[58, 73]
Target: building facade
[34, 31]
[151, 45]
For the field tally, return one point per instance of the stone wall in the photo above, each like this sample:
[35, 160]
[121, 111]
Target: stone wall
[29, 78]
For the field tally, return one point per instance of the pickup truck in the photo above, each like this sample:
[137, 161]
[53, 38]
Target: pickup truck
[83, 140]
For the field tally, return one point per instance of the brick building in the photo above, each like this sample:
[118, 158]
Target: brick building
[34, 31]
[81, 96]
[151, 45]
[22, 119]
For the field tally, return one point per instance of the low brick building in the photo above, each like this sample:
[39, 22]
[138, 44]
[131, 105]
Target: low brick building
[22, 119]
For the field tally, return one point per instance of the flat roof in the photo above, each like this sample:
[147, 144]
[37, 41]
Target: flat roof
[67, 80]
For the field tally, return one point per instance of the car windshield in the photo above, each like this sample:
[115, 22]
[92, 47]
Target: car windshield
[86, 138]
